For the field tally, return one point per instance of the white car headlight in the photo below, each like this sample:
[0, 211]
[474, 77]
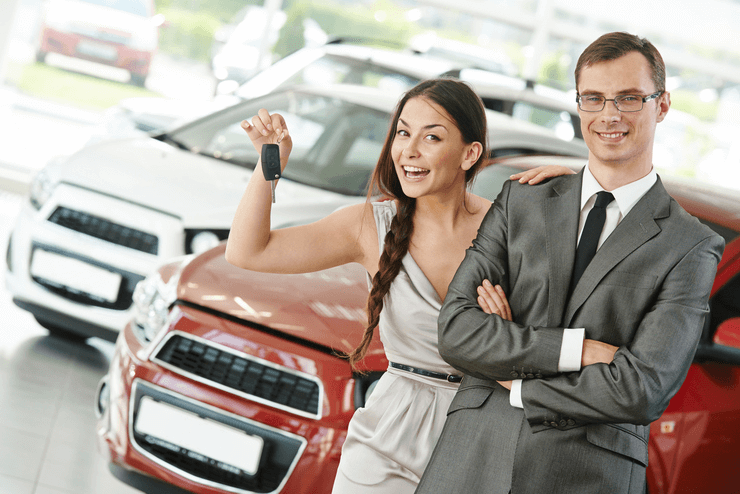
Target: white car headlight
[144, 39]
[152, 300]
[203, 241]
[42, 186]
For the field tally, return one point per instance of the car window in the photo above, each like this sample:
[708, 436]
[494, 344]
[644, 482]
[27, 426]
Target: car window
[490, 180]
[725, 304]
[336, 144]
[136, 7]
[331, 69]
[559, 121]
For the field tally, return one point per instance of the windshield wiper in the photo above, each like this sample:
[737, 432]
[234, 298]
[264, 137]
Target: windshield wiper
[171, 140]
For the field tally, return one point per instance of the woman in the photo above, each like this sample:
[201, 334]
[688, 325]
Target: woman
[410, 246]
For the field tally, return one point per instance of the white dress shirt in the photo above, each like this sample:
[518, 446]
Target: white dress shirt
[625, 198]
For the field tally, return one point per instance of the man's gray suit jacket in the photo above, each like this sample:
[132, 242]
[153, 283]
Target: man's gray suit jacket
[646, 291]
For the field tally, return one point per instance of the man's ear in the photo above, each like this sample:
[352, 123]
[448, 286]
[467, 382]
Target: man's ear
[472, 154]
[664, 103]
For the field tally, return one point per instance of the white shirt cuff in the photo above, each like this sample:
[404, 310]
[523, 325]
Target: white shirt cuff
[515, 395]
[572, 350]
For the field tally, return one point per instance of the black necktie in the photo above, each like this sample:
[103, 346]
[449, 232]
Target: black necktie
[590, 235]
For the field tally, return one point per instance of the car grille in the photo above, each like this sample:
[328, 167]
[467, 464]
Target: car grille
[280, 455]
[243, 374]
[105, 230]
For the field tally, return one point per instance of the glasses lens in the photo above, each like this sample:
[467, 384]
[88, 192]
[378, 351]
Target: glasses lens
[591, 103]
[629, 102]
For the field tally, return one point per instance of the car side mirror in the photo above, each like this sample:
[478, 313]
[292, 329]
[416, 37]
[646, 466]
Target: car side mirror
[728, 333]
[724, 347]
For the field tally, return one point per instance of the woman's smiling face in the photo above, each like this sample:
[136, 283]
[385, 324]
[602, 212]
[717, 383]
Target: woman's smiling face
[428, 149]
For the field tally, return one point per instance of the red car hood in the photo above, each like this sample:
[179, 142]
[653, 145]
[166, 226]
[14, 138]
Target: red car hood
[327, 307]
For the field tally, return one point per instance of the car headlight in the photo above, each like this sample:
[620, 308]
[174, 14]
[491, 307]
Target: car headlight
[42, 186]
[144, 39]
[153, 298]
[364, 386]
[197, 241]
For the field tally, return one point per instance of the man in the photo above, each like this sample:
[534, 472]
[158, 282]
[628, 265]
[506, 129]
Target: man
[571, 424]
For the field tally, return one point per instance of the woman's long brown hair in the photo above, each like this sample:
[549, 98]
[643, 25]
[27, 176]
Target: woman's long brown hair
[467, 111]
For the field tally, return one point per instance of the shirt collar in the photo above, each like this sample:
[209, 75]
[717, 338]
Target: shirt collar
[625, 196]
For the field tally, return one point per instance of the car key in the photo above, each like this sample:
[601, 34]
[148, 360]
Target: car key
[271, 165]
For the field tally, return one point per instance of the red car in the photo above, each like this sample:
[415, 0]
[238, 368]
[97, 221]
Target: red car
[230, 381]
[119, 33]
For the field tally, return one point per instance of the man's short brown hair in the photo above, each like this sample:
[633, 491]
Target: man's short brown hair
[611, 46]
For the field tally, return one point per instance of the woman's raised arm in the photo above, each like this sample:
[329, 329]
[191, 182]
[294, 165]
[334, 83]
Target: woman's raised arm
[347, 235]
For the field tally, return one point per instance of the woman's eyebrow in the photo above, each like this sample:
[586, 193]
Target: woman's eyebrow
[426, 127]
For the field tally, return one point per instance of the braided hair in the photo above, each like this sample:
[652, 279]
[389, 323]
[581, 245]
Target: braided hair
[467, 111]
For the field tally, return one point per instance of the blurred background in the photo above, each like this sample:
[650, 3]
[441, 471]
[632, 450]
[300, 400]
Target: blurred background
[52, 103]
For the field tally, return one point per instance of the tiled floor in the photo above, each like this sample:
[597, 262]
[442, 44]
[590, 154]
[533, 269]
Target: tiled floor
[47, 389]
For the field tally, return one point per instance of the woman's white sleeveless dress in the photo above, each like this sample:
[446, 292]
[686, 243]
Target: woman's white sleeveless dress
[391, 439]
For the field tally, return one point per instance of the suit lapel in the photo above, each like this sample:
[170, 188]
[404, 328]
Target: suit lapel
[635, 229]
[562, 230]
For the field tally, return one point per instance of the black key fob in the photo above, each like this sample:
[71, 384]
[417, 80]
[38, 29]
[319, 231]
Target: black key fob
[271, 161]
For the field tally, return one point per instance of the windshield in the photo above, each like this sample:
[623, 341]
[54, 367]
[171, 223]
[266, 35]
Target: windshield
[327, 69]
[136, 7]
[336, 144]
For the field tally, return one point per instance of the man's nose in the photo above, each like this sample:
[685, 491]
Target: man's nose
[611, 111]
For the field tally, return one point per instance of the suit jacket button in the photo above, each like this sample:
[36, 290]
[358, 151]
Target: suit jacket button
[546, 423]
[514, 374]
[554, 424]
[563, 423]
[530, 376]
[538, 375]
[571, 422]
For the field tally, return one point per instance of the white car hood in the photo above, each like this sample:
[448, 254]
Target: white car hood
[202, 191]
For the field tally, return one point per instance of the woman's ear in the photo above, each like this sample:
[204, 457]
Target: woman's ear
[472, 154]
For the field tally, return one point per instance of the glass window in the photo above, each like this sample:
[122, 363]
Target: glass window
[559, 121]
[136, 7]
[490, 180]
[336, 144]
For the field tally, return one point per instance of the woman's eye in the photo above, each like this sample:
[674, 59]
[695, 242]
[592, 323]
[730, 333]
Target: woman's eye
[432, 137]
[402, 132]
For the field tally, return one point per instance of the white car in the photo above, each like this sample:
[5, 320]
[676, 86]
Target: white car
[339, 62]
[99, 221]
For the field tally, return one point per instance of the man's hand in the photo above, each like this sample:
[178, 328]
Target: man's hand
[492, 300]
[597, 352]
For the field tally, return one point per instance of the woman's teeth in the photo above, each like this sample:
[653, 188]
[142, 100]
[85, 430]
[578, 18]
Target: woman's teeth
[413, 171]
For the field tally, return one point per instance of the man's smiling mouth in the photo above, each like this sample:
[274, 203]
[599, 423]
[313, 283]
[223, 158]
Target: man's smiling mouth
[612, 135]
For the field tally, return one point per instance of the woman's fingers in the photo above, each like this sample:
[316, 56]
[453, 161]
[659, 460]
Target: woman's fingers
[537, 175]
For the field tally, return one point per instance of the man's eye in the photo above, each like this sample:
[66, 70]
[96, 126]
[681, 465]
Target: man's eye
[592, 99]
[630, 98]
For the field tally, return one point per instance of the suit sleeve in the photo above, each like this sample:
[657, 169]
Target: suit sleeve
[484, 345]
[639, 383]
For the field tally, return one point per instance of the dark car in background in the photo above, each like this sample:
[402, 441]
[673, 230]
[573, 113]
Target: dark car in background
[254, 360]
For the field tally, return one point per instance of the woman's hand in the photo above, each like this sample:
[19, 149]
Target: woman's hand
[492, 300]
[269, 129]
[537, 175]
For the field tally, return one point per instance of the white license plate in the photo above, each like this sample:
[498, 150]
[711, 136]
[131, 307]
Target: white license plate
[198, 435]
[97, 50]
[76, 275]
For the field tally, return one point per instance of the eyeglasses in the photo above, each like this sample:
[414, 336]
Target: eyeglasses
[623, 102]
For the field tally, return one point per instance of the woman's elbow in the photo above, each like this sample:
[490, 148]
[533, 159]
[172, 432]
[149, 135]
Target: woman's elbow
[231, 254]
